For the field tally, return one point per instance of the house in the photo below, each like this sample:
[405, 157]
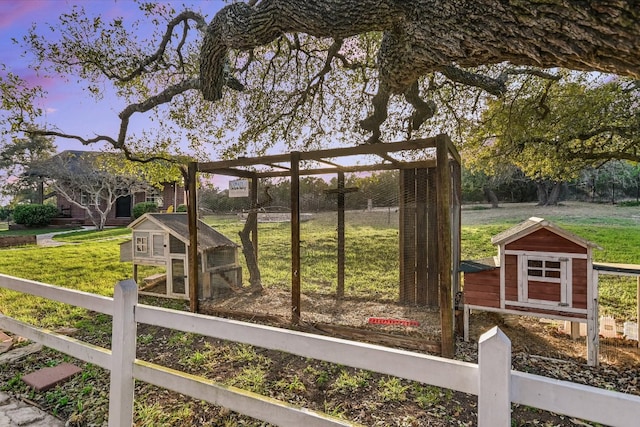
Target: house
[162, 239]
[541, 270]
[76, 176]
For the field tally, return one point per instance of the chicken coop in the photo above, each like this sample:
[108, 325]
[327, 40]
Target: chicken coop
[162, 240]
[541, 270]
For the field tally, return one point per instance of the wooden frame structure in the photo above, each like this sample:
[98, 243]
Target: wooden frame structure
[437, 155]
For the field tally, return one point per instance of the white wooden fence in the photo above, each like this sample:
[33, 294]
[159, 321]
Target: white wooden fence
[492, 379]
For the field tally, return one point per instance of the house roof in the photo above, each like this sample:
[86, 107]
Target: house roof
[533, 224]
[177, 224]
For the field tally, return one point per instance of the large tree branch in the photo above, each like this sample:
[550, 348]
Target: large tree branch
[423, 36]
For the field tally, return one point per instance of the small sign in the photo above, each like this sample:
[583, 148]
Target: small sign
[239, 188]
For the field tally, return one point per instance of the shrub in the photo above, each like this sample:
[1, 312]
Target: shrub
[142, 208]
[5, 213]
[181, 208]
[34, 215]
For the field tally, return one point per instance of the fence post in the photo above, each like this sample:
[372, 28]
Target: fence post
[123, 354]
[494, 390]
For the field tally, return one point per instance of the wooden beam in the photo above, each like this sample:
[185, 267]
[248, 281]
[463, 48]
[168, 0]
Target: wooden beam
[295, 237]
[325, 171]
[444, 255]
[240, 173]
[192, 219]
[378, 149]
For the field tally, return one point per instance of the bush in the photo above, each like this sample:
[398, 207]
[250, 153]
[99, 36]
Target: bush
[142, 208]
[5, 213]
[181, 208]
[34, 215]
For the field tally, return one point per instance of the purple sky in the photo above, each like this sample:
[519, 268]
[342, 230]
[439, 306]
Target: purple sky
[66, 106]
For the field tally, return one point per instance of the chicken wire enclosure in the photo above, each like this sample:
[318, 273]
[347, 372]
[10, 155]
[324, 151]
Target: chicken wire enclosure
[419, 219]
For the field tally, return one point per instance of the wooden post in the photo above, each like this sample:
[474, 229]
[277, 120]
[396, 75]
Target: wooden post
[593, 338]
[638, 309]
[456, 223]
[254, 204]
[192, 212]
[575, 330]
[494, 388]
[123, 354]
[444, 252]
[295, 237]
[341, 226]
[456, 243]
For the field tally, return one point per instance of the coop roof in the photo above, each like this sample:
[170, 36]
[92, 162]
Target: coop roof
[533, 224]
[177, 225]
[478, 265]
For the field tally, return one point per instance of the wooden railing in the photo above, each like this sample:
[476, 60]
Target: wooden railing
[492, 379]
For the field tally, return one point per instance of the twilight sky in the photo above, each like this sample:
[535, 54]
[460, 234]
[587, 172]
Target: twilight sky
[66, 106]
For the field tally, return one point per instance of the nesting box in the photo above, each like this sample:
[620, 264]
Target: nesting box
[162, 239]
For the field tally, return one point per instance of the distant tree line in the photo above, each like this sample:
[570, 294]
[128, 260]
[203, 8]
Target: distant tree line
[611, 183]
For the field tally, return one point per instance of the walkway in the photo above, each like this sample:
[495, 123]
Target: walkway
[15, 413]
[47, 239]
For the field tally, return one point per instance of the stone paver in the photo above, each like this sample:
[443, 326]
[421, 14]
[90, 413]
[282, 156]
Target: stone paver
[15, 413]
[19, 353]
[46, 378]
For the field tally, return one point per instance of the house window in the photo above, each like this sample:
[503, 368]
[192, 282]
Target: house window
[154, 196]
[87, 199]
[545, 281]
[141, 244]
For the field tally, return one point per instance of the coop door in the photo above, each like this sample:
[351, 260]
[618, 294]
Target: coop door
[545, 281]
[178, 284]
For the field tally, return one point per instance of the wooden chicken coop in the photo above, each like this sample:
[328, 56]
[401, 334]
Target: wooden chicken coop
[162, 239]
[541, 270]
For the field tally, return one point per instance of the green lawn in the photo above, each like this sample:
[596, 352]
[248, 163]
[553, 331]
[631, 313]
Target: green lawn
[92, 263]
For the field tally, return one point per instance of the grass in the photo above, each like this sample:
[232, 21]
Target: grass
[92, 265]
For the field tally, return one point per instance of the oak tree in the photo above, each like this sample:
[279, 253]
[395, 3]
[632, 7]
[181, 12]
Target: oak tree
[314, 71]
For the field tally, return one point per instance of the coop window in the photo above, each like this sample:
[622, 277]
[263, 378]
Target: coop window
[547, 270]
[218, 257]
[141, 244]
[546, 281]
[176, 246]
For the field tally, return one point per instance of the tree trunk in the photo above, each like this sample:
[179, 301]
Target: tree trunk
[543, 197]
[255, 280]
[491, 197]
[554, 196]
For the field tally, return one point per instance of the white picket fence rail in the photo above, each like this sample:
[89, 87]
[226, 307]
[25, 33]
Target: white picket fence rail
[492, 380]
